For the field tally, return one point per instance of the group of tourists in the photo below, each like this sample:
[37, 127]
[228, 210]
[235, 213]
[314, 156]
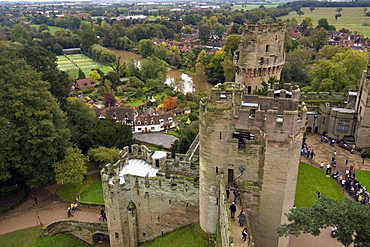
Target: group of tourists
[241, 215]
[72, 208]
[306, 151]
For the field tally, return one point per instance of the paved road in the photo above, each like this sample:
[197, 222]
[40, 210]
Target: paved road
[49, 209]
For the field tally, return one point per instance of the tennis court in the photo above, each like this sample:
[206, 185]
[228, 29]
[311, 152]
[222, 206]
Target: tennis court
[72, 63]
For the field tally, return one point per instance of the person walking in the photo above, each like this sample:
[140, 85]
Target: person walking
[232, 210]
[69, 213]
[227, 193]
[245, 234]
[241, 217]
[236, 195]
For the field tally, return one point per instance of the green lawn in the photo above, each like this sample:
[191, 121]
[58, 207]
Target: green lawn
[20, 238]
[51, 28]
[183, 237]
[68, 191]
[174, 133]
[364, 178]
[352, 18]
[310, 180]
[58, 240]
[93, 194]
[252, 6]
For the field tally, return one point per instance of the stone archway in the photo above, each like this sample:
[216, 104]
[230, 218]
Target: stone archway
[100, 239]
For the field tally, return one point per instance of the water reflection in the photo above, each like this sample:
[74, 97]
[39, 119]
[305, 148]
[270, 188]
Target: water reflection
[180, 81]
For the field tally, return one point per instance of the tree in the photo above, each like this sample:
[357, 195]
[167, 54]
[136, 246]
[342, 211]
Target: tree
[72, 168]
[33, 128]
[232, 43]
[81, 74]
[81, 120]
[229, 70]
[319, 38]
[88, 38]
[188, 30]
[312, 8]
[146, 48]
[19, 34]
[204, 33]
[346, 214]
[111, 134]
[337, 16]
[95, 75]
[323, 22]
[183, 145]
[300, 12]
[339, 10]
[169, 103]
[365, 10]
[102, 155]
[339, 74]
[153, 68]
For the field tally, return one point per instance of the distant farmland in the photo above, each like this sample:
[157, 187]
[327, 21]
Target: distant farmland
[51, 28]
[353, 19]
[72, 63]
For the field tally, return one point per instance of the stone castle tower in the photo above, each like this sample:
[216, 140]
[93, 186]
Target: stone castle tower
[260, 56]
[362, 108]
[254, 142]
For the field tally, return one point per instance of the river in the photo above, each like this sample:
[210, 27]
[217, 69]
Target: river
[187, 81]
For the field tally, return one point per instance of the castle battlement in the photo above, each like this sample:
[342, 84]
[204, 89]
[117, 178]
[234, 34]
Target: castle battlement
[142, 187]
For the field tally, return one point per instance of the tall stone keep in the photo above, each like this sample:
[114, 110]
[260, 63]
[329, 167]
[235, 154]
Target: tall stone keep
[260, 55]
[254, 143]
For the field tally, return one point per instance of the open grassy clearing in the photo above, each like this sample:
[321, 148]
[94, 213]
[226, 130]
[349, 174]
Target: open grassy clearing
[58, 240]
[51, 28]
[353, 18]
[310, 180]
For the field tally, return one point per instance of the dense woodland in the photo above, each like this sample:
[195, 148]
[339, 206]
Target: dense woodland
[44, 129]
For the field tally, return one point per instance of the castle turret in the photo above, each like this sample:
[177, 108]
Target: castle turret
[260, 56]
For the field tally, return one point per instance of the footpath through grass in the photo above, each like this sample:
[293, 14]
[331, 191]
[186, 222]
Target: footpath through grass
[310, 180]
[183, 237]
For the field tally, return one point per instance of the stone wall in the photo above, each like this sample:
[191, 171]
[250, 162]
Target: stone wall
[142, 208]
[80, 229]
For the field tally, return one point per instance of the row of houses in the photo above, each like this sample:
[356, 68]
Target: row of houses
[148, 121]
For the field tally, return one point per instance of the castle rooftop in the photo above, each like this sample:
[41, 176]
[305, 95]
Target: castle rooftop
[137, 167]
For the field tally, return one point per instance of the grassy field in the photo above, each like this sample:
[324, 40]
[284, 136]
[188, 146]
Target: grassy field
[352, 18]
[364, 178]
[68, 63]
[183, 237]
[93, 194]
[310, 180]
[51, 28]
[252, 6]
[33, 237]
[68, 191]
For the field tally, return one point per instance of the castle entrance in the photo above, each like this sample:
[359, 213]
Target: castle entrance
[230, 177]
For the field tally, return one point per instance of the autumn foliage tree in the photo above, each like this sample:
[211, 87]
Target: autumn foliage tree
[169, 103]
